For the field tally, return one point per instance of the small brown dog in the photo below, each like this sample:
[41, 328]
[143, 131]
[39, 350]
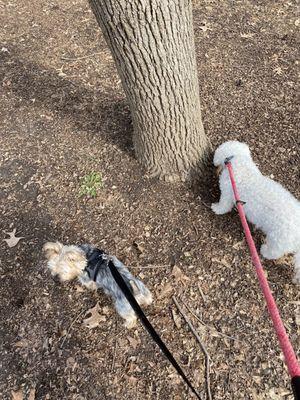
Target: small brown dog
[90, 266]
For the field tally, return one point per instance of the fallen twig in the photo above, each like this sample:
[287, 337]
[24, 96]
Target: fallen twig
[70, 327]
[196, 230]
[201, 293]
[79, 58]
[151, 267]
[115, 352]
[205, 204]
[207, 326]
[203, 348]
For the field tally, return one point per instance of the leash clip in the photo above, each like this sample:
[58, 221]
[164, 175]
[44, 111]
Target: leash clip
[227, 160]
[240, 202]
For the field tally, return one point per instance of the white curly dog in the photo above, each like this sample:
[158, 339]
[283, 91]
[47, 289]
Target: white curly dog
[269, 206]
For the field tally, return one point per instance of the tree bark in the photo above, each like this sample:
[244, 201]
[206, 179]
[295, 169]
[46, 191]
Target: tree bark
[152, 42]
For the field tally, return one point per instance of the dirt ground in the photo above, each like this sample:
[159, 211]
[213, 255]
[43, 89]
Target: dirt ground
[63, 114]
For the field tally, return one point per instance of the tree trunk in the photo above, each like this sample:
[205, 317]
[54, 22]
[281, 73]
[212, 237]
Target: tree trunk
[152, 42]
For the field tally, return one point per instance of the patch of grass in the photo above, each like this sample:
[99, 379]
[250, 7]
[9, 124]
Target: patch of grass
[90, 183]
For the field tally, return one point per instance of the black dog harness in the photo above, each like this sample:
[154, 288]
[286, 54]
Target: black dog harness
[97, 259]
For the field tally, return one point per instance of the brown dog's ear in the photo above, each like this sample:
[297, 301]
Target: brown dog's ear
[52, 249]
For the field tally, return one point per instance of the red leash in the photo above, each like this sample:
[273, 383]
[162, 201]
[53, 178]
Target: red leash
[285, 344]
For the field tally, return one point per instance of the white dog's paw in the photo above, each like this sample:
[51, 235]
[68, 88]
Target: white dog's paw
[271, 252]
[268, 253]
[264, 251]
[296, 278]
[217, 209]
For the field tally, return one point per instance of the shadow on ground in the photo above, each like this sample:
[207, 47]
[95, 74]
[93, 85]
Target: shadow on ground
[89, 110]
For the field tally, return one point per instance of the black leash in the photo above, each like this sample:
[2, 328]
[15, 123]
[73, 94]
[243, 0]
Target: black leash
[148, 326]
[296, 387]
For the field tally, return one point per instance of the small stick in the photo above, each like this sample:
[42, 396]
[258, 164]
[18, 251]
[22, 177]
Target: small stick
[114, 357]
[115, 349]
[205, 204]
[151, 267]
[70, 327]
[201, 293]
[196, 230]
[207, 326]
[203, 348]
[79, 58]
[194, 314]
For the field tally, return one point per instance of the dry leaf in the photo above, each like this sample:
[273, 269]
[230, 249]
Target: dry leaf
[222, 262]
[121, 343]
[131, 380]
[165, 291]
[179, 275]
[175, 379]
[105, 310]
[286, 259]
[256, 379]
[115, 380]
[13, 240]
[139, 247]
[278, 71]
[17, 395]
[276, 394]
[205, 27]
[133, 342]
[94, 320]
[255, 395]
[70, 362]
[238, 245]
[31, 394]
[21, 343]
[79, 289]
[20, 396]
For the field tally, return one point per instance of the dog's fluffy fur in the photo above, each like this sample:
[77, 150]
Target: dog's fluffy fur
[69, 262]
[269, 206]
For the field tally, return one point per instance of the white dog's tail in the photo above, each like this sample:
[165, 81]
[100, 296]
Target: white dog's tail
[297, 267]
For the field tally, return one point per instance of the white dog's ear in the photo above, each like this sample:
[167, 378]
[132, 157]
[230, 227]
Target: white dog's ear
[52, 249]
